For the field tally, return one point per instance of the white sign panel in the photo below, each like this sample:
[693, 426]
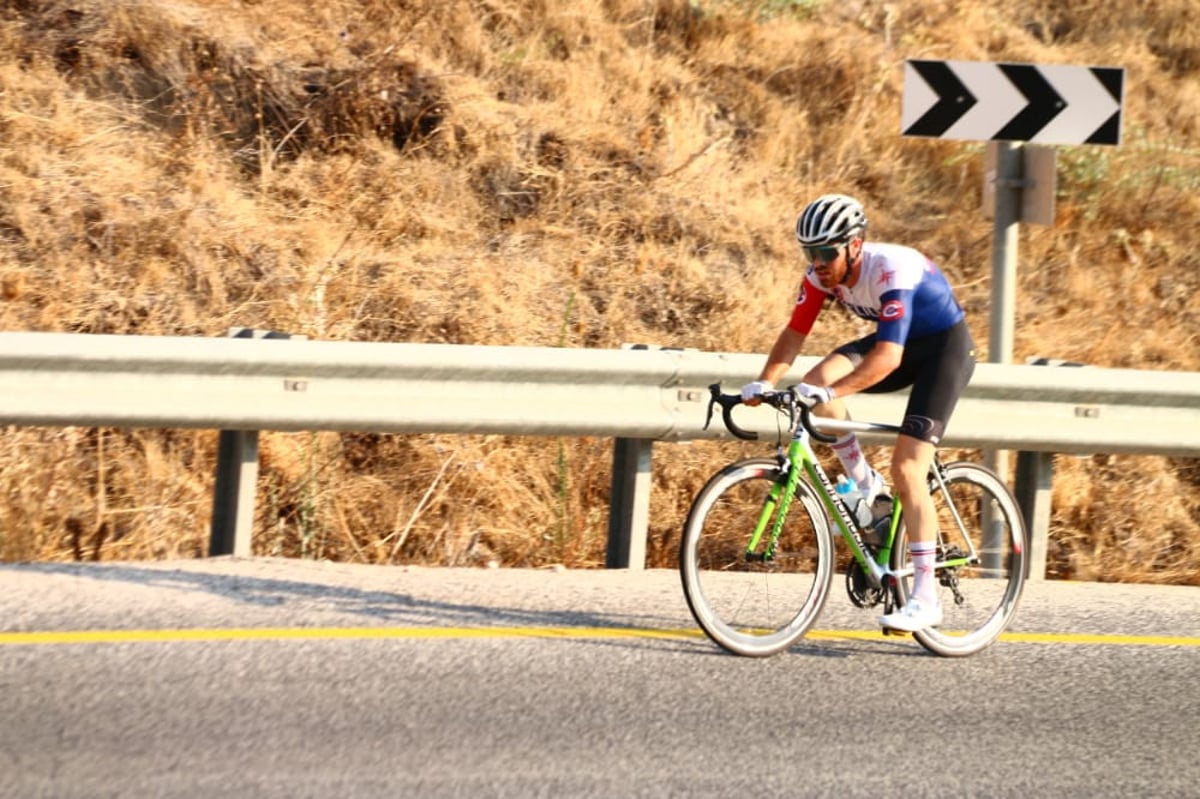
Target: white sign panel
[1044, 104]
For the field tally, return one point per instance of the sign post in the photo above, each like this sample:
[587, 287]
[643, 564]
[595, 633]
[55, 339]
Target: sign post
[1009, 105]
[1008, 188]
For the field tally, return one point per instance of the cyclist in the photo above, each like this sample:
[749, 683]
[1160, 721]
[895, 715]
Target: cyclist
[921, 340]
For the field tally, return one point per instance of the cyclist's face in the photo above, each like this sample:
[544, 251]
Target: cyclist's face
[829, 263]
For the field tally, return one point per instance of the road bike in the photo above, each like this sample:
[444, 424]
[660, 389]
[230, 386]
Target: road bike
[757, 558]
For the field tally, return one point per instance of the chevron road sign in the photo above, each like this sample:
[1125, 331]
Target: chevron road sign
[1044, 104]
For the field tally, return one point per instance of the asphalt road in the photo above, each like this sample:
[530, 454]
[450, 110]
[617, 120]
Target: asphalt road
[272, 678]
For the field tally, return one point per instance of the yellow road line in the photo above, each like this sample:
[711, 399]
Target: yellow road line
[327, 633]
[1041, 638]
[320, 633]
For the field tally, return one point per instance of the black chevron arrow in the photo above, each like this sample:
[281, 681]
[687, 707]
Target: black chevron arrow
[1044, 103]
[954, 99]
[1111, 79]
[1110, 131]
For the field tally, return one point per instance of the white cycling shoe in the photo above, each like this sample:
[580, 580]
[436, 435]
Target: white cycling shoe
[913, 617]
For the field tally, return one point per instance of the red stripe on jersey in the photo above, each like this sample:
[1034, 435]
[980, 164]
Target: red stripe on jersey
[808, 305]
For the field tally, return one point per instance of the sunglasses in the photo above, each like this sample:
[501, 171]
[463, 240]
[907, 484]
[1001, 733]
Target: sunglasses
[823, 254]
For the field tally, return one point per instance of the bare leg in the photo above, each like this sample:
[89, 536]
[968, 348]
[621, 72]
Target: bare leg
[910, 467]
[847, 447]
[832, 367]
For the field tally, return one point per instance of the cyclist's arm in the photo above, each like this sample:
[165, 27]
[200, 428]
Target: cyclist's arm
[791, 339]
[783, 354]
[895, 320]
[877, 364]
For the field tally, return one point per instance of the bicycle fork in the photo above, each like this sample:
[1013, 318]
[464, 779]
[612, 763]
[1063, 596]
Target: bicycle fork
[776, 505]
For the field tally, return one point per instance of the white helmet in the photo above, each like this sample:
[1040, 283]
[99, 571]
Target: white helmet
[830, 219]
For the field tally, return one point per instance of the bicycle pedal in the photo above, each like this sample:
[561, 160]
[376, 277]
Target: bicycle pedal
[895, 632]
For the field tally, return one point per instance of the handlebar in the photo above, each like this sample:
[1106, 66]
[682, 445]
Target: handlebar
[785, 401]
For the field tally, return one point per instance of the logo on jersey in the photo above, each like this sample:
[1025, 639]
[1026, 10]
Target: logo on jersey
[891, 311]
[803, 294]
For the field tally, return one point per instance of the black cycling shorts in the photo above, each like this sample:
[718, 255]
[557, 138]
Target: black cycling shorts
[937, 366]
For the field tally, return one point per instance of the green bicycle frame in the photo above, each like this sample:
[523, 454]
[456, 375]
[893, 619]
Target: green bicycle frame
[799, 459]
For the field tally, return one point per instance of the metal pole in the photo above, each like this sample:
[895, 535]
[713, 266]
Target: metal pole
[233, 494]
[1034, 487]
[1008, 186]
[232, 528]
[629, 505]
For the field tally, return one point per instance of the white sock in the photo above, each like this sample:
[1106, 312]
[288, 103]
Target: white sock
[853, 462]
[923, 554]
[867, 487]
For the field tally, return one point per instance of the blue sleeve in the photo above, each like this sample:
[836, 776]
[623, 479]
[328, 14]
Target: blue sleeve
[895, 315]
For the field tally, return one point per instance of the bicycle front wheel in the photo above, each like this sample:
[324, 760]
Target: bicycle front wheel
[755, 602]
[981, 556]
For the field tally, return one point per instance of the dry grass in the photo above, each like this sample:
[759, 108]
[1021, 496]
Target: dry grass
[547, 173]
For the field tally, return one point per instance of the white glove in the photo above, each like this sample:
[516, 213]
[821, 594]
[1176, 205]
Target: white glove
[818, 394]
[756, 389]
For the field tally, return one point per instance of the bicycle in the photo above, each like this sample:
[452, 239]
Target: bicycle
[757, 557]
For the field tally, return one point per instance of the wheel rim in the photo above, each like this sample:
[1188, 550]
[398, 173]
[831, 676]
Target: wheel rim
[989, 589]
[752, 607]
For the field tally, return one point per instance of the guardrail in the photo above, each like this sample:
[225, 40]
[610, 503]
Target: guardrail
[635, 395]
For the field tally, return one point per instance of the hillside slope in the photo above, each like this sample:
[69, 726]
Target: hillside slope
[549, 173]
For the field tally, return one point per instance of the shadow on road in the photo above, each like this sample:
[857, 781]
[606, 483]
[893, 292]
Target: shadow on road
[321, 603]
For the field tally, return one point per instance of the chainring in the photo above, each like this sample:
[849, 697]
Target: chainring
[858, 586]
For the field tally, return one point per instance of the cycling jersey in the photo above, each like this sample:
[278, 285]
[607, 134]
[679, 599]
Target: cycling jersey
[897, 287]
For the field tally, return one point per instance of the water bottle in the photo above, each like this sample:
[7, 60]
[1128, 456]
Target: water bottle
[848, 492]
[881, 510]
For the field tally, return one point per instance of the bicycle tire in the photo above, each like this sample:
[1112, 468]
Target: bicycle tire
[747, 607]
[990, 590]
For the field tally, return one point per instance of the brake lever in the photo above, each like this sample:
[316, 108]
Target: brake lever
[714, 391]
[799, 406]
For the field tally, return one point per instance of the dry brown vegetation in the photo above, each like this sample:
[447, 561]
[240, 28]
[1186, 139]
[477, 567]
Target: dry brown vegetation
[576, 173]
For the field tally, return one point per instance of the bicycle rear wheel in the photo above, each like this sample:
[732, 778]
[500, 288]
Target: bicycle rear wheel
[748, 604]
[979, 597]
